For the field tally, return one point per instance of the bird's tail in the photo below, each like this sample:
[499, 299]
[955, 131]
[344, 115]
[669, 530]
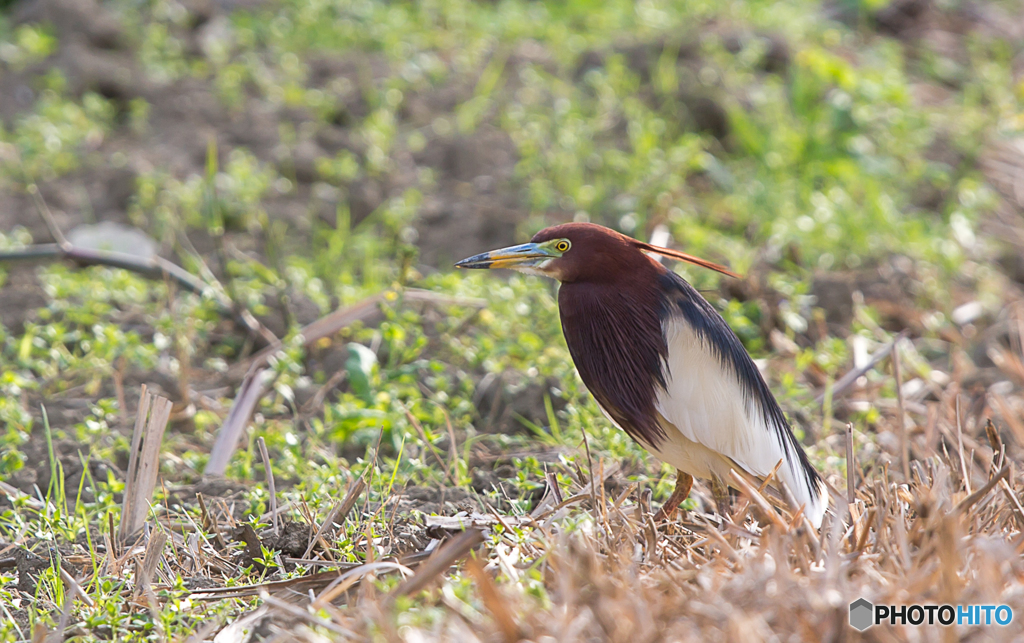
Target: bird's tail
[806, 484]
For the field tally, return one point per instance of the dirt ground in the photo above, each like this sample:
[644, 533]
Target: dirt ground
[475, 206]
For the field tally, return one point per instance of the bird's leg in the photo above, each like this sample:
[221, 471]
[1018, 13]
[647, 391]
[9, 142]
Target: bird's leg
[684, 482]
[720, 492]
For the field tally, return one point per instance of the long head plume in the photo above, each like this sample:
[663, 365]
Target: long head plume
[682, 256]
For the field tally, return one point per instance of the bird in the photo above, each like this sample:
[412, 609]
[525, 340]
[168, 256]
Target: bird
[662, 363]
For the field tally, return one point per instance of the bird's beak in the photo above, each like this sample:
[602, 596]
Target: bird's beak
[525, 255]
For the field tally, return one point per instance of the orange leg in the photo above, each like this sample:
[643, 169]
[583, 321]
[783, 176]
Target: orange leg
[684, 482]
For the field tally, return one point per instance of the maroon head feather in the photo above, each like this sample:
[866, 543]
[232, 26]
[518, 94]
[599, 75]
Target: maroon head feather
[598, 252]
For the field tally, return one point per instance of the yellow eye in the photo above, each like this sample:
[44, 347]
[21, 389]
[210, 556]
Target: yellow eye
[562, 245]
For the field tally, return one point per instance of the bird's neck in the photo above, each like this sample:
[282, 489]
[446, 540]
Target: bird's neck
[614, 334]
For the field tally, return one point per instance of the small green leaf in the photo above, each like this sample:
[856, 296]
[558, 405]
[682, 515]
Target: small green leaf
[359, 365]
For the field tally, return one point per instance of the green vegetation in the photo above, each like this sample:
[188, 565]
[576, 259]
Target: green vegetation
[795, 147]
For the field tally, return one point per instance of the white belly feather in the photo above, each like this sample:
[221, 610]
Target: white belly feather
[710, 422]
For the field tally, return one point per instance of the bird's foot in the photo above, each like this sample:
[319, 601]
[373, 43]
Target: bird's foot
[684, 482]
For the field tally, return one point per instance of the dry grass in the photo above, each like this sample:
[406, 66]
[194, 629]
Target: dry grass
[745, 581]
[595, 567]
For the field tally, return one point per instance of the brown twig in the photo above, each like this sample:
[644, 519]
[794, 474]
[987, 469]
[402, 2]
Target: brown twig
[851, 491]
[118, 376]
[900, 415]
[249, 394]
[155, 267]
[47, 216]
[590, 471]
[254, 384]
[364, 311]
[352, 576]
[972, 499]
[145, 571]
[960, 444]
[337, 514]
[300, 585]
[453, 447]
[430, 446]
[755, 496]
[445, 557]
[210, 523]
[845, 381]
[1012, 420]
[493, 600]
[1018, 510]
[304, 615]
[270, 481]
[315, 402]
[75, 588]
[143, 461]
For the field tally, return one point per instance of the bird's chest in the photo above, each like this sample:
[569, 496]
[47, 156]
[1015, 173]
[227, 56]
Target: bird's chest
[608, 329]
[617, 343]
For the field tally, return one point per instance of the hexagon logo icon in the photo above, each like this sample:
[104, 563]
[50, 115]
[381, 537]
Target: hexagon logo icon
[861, 614]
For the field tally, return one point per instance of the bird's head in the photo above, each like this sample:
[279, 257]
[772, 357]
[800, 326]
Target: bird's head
[573, 252]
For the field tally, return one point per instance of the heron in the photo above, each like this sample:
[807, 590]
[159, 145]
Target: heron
[662, 363]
